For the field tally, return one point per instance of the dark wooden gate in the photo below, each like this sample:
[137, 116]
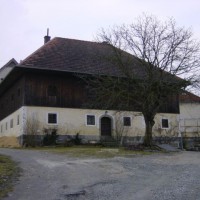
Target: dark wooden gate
[106, 126]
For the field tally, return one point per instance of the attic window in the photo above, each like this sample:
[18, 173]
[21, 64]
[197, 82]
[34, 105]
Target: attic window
[52, 91]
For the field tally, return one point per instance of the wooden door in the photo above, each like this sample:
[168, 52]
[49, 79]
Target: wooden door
[106, 126]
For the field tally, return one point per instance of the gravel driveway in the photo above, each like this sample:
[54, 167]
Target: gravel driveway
[48, 176]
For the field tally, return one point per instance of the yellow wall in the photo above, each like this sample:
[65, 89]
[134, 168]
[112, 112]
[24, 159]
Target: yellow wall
[72, 121]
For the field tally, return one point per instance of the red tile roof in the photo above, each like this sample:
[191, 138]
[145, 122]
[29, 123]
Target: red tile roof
[187, 97]
[77, 56]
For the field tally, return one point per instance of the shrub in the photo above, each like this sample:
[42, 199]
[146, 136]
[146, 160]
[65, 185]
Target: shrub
[50, 137]
[31, 138]
[77, 139]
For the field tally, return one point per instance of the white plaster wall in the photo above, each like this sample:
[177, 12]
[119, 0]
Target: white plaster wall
[72, 121]
[17, 129]
[190, 110]
[190, 119]
[172, 131]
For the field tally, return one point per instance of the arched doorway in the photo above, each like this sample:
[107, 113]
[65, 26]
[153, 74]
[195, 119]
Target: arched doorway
[106, 126]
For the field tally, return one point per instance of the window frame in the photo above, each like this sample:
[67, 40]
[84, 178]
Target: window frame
[52, 113]
[164, 127]
[127, 117]
[86, 120]
[1, 128]
[18, 119]
[11, 123]
[12, 97]
[19, 92]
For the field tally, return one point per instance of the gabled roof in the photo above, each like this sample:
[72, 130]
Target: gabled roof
[77, 56]
[7, 68]
[188, 97]
[10, 63]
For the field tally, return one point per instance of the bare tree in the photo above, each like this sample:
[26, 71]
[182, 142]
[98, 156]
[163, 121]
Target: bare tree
[158, 55]
[31, 131]
[121, 131]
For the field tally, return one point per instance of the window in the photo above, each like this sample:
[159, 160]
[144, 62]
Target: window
[17, 119]
[6, 125]
[90, 120]
[1, 128]
[52, 118]
[12, 97]
[18, 92]
[165, 123]
[52, 91]
[11, 123]
[127, 121]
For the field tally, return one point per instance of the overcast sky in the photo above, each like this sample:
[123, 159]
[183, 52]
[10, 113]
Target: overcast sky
[24, 23]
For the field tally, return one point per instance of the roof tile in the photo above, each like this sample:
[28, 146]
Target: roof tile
[74, 56]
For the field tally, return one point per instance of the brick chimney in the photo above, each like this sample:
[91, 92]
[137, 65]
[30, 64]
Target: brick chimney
[47, 37]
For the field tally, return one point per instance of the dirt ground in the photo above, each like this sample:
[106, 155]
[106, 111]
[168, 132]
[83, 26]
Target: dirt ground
[9, 142]
[49, 176]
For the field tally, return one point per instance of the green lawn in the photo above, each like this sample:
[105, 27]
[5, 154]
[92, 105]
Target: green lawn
[94, 152]
[8, 171]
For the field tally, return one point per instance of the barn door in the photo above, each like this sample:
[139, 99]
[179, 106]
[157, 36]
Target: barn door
[106, 126]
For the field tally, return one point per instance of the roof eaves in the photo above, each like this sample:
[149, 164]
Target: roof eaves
[60, 70]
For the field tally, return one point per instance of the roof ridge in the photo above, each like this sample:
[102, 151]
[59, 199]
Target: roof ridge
[11, 60]
[78, 40]
[189, 96]
[54, 39]
[191, 93]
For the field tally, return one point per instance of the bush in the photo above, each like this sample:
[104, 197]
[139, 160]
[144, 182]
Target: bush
[77, 139]
[68, 143]
[29, 141]
[31, 138]
[50, 137]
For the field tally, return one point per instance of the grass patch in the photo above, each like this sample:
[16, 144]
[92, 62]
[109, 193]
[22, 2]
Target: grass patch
[94, 152]
[8, 172]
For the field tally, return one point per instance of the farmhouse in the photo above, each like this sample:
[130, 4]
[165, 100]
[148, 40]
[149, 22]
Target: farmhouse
[45, 92]
[189, 114]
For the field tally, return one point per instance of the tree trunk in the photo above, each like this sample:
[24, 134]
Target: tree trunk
[149, 122]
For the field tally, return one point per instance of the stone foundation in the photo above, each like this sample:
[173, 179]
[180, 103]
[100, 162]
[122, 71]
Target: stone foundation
[188, 143]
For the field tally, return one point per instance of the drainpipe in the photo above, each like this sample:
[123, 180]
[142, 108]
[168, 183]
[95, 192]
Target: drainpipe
[180, 134]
